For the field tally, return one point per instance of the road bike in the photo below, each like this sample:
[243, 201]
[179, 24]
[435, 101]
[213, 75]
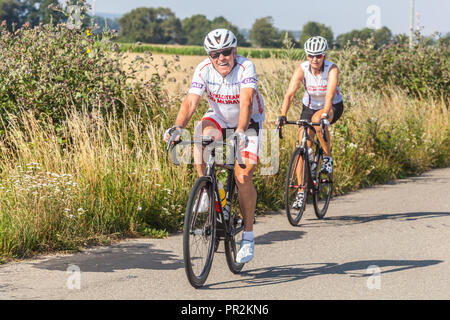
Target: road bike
[316, 184]
[204, 228]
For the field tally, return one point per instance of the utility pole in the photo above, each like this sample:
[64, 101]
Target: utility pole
[411, 24]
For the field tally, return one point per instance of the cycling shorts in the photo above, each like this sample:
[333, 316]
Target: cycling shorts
[254, 133]
[338, 109]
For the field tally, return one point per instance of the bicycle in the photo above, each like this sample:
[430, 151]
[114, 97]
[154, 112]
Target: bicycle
[203, 230]
[315, 184]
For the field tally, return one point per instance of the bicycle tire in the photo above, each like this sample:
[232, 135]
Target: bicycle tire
[230, 240]
[322, 190]
[199, 229]
[291, 188]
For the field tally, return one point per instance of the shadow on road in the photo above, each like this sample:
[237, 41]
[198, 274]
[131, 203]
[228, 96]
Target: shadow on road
[117, 257]
[287, 273]
[357, 219]
[140, 256]
[277, 236]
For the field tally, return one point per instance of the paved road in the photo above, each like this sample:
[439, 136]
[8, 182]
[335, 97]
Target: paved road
[400, 230]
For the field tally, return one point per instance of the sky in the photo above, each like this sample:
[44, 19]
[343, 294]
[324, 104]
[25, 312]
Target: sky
[341, 15]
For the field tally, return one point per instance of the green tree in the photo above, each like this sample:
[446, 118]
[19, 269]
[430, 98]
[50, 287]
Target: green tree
[37, 11]
[381, 37]
[10, 11]
[264, 34]
[287, 36]
[444, 40]
[221, 22]
[150, 25]
[195, 29]
[102, 22]
[352, 37]
[312, 29]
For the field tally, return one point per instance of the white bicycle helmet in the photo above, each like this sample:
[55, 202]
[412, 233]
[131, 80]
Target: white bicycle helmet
[219, 39]
[316, 45]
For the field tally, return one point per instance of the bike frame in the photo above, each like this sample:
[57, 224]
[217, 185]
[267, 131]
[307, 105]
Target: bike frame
[304, 145]
[211, 175]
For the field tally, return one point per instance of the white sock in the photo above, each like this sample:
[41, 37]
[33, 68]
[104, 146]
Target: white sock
[248, 235]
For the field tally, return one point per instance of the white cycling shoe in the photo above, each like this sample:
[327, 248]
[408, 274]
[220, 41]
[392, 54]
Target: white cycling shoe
[299, 199]
[246, 251]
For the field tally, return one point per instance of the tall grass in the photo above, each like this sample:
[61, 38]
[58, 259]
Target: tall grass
[112, 178]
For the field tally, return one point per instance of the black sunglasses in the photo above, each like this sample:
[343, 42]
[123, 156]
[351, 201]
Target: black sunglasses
[216, 54]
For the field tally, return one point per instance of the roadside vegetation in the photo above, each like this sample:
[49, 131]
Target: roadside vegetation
[82, 159]
[200, 51]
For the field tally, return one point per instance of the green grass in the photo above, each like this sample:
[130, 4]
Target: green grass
[200, 51]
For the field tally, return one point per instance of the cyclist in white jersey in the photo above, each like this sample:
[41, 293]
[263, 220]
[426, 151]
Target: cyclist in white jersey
[322, 100]
[230, 84]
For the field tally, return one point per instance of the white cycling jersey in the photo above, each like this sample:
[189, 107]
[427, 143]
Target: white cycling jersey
[223, 93]
[316, 86]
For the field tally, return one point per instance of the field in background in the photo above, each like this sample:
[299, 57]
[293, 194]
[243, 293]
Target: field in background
[177, 70]
[257, 53]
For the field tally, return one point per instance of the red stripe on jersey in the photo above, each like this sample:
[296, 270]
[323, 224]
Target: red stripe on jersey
[259, 103]
[204, 66]
[249, 155]
[241, 65]
[217, 125]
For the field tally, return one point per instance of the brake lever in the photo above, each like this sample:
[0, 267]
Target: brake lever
[280, 134]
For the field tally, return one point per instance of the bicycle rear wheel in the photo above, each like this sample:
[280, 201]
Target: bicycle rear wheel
[291, 186]
[322, 190]
[199, 232]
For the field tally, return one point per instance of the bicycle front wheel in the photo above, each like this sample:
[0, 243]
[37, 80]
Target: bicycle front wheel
[322, 190]
[292, 186]
[236, 226]
[199, 232]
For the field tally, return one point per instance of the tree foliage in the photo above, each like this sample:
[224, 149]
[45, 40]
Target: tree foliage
[312, 29]
[10, 11]
[221, 22]
[289, 37]
[151, 25]
[38, 11]
[196, 27]
[31, 11]
[382, 36]
[264, 34]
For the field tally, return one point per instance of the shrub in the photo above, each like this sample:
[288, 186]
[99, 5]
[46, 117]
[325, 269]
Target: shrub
[49, 68]
[421, 71]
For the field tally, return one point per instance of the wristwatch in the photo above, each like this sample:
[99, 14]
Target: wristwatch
[325, 115]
